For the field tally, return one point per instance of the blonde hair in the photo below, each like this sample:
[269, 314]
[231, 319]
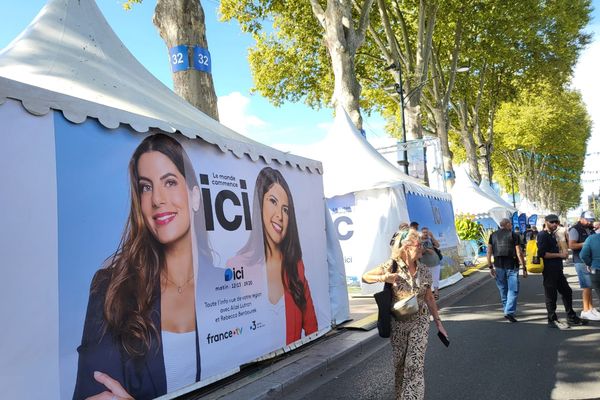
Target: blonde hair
[401, 243]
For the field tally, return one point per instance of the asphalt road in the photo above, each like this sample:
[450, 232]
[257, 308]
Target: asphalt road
[489, 357]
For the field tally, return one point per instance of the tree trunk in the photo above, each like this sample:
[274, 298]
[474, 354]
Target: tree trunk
[441, 122]
[342, 42]
[490, 141]
[471, 151]
[467, 140]
[346, 91]
[412, 111]
[181, 22]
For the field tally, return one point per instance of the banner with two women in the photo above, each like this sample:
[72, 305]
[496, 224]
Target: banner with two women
[176, 262]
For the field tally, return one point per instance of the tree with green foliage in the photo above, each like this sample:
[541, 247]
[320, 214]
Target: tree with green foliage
[515, 44]
[181, 22]
[541, 142]
[508, 46]
[311, 46]
[467, 228]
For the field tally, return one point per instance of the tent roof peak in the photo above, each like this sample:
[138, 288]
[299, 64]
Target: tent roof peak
[70, 59]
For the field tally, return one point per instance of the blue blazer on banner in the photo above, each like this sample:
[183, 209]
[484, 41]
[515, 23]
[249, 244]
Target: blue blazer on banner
[142, 377]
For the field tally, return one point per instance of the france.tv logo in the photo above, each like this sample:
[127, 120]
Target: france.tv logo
[234, 274]
[217, 337]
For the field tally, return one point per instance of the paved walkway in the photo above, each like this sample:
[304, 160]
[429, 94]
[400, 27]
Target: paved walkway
[489, 357]
[269, 379]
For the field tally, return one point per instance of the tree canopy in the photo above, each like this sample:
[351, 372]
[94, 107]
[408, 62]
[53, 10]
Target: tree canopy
[541, 143]
[513, 49]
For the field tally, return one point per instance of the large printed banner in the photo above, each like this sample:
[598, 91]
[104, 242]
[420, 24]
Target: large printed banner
[438, 216]
[365, 221]
[435, 214]
[342, 213]
[266, 283]
[176, 262]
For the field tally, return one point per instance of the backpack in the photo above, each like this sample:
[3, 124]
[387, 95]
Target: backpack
[534, 263]
[504, 242]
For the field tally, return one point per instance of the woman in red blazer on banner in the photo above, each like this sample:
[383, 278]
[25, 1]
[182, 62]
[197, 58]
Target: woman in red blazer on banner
[276, 244]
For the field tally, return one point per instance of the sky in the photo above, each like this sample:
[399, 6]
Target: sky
[587, 80]
[248, 114]
[253, 115]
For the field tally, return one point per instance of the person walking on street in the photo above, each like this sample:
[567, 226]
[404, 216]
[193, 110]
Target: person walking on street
[562, 237]
[577, 236]
[527, 233]
[431, 258]
[534, 233]
[505, 246]
[590, 255]
[402, 231]
[521, 236]
[409, 335]
[554, 278]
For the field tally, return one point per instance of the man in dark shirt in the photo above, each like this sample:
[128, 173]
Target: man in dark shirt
[554, 278]
[504, 244]
[577, 236]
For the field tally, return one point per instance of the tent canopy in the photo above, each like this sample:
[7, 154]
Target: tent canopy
[490, 192]
[468, 198]
[351, 164]
[69, 59]
[529, 208]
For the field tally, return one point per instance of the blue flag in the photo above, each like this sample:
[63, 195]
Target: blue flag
[522, 222]
[515, 220]
[532, 220]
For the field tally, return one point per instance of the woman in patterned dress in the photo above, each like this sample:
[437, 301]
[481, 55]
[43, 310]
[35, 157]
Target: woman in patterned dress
[409, 336]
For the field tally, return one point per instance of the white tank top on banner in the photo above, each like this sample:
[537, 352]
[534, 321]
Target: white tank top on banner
[179, 352]
[278, 318]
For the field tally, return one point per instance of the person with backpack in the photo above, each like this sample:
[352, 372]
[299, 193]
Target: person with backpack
[577, 236]
[505, 246]
[554, 278]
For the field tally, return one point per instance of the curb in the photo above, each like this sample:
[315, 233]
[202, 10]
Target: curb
[335, 352]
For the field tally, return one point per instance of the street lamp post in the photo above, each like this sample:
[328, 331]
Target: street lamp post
[399, 89]
[512, 184]
[400, 92]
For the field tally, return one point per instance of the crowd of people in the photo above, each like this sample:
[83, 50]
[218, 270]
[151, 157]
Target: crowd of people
[552, 245]
[414, 267]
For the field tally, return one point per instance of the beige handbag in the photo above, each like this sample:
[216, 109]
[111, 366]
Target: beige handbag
[406, 306]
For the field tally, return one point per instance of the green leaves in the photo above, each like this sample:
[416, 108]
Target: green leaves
[467, 228]
[541, 141]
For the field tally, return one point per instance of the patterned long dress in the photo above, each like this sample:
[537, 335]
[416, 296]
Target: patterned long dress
[409, 336]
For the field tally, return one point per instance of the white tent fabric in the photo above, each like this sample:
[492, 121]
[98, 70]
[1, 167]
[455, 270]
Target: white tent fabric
[488, 190]
[468, 198]
[365, 190]
[351, 164]
[69, 59]
[529, 208]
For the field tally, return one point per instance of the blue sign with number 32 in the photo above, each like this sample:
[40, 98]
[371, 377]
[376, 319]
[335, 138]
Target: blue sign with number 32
[201, 59]
[178, 57]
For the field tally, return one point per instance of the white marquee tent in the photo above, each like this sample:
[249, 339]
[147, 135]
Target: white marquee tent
[368, 199]
[529, 208]
[468, 198]
[487, 189]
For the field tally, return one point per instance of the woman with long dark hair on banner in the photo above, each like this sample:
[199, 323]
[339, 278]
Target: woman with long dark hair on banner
[275, 243]
[409, 335]
[140, 338]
